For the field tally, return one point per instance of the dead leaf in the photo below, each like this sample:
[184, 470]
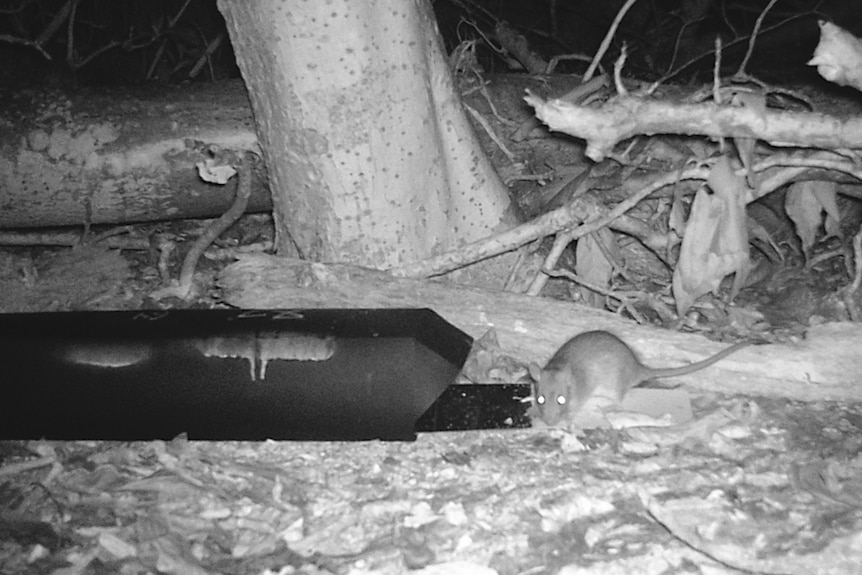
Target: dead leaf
[594, 263]
[838, 56]
[676, 219]
[805, 204]
[757, 232]
[715, 243]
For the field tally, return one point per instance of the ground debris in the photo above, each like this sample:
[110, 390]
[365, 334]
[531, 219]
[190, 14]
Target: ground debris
[760, 493]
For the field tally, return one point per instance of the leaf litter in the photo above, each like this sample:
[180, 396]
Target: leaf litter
[765, 486]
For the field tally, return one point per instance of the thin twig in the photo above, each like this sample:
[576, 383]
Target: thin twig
[607, 40]
[54, 25]
[562, 241]
[654, 86]
[491, 134]
[183, 289]
[678, 41]
[753, 38]
[618, 72]
[716, 73]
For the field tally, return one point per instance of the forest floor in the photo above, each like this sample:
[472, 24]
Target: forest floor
[765, 486]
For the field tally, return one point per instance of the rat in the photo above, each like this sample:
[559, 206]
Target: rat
[599, 363]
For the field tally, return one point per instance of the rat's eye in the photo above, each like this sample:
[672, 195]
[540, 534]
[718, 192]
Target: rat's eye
[540, 399]
[561, 400]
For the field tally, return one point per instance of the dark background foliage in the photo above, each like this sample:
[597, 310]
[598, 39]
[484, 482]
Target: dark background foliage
[111, 42]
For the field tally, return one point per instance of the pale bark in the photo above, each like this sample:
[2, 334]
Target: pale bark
[625, 117]
[371, 159]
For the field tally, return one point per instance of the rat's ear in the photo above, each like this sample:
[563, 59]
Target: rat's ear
[535, 371]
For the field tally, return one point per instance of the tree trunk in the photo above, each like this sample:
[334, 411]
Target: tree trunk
[370, 157]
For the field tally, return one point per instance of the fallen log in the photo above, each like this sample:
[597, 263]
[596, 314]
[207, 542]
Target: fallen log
[120, 156]
[823, 366]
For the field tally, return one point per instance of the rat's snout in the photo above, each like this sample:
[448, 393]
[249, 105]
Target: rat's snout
[552, 409]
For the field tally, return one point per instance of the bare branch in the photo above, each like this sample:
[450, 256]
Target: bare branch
[178, 15]
[607, 41]
[55, 23]
[753, 38]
